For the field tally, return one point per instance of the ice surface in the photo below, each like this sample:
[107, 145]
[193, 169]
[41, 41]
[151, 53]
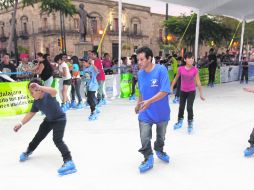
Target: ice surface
[106, 151]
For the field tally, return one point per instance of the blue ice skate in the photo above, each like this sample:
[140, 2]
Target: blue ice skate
[132, 98]
[24, 156]
[93, 116]
[68, 168]
[190, 127]
[97, 110]
[176, 100]
[100, 103]
[68, 105]
[146, 165]
[103, 101]
[249, 151]
[73, 105]
[163, 156]
[87, 105]
[79, 106]
[179, 124]
[64, 108]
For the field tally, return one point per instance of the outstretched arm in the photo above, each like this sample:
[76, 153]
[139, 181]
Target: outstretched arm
[27, 118]
[174, 82]
[249, 89]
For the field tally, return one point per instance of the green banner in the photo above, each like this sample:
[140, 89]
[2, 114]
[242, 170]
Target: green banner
[14, 98]
[204, 76]
[171, 75]
[125, 85]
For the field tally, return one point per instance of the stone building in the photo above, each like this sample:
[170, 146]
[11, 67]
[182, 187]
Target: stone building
[41, 32]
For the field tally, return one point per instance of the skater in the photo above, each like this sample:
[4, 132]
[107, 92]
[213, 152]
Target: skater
[152, 107]
[245, 69]
[45, 100]
[75, 83]
[134, 71]
[100, 77]
[250, 150]
[212, 67]
[90, 74]
[66, 81]
[189, 75]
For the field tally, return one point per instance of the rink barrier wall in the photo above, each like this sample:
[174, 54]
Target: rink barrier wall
[15, 98]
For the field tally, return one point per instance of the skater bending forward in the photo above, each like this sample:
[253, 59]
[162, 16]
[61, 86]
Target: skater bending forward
[45, 101]
[152, 106]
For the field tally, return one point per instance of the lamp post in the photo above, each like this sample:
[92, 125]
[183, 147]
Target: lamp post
[101, 33]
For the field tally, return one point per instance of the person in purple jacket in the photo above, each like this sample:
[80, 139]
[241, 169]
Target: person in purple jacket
[189, 79]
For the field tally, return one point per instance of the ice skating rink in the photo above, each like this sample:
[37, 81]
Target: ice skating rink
[106, 151]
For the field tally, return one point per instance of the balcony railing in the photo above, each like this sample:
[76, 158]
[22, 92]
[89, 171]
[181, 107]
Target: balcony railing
[3, 38]
[50, 30]
[131, 34]
[24, 34]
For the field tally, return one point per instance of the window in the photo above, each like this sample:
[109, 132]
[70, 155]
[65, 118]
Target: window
[25, 27]
[115, 28]
[45, 23]
[24, 21]
[94, 26]
[136, 25]
[135, 49]
[47, 51]
[2, 28]
[76, 23]
[135, 29]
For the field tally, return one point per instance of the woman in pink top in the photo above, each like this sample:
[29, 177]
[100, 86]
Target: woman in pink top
[189, 80]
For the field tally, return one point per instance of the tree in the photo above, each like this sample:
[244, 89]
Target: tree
[210, 29]
[46, 6]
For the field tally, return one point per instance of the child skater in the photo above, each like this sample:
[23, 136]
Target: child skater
[189, 76]
[45, 101]
[90, 73]
[250, 150]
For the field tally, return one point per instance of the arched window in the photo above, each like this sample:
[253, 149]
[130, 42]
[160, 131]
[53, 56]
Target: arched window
[1, 28]
[96, 23]
[136, 25]
[24, 21]
[76, 23]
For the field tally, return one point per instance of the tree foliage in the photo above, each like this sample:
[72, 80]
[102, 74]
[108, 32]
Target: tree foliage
[210, 29]
[46, 6]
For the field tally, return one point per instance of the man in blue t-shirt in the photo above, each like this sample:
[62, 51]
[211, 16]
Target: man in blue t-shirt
[152, 106]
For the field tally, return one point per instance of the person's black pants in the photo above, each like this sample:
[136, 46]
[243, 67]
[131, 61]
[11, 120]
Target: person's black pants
[244, 75]
[75, 87]
[91, 99]
[58, 133]
[133, 87]
[188, 97]
[212, 71]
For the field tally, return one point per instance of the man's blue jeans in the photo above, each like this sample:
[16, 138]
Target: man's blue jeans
[146, 136]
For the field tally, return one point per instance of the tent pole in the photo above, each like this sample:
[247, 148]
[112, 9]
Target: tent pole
[197, 35]
[119, 34]
[241, 45]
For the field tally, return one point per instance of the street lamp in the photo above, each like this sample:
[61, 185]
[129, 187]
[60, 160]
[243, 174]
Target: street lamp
[101, 33]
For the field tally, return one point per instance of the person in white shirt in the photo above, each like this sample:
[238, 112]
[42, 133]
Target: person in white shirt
[66, 76]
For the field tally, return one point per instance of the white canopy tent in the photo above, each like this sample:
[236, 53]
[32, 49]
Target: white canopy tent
[238, 9]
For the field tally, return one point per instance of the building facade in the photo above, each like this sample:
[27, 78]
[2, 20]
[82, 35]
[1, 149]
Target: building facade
[41, 32]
